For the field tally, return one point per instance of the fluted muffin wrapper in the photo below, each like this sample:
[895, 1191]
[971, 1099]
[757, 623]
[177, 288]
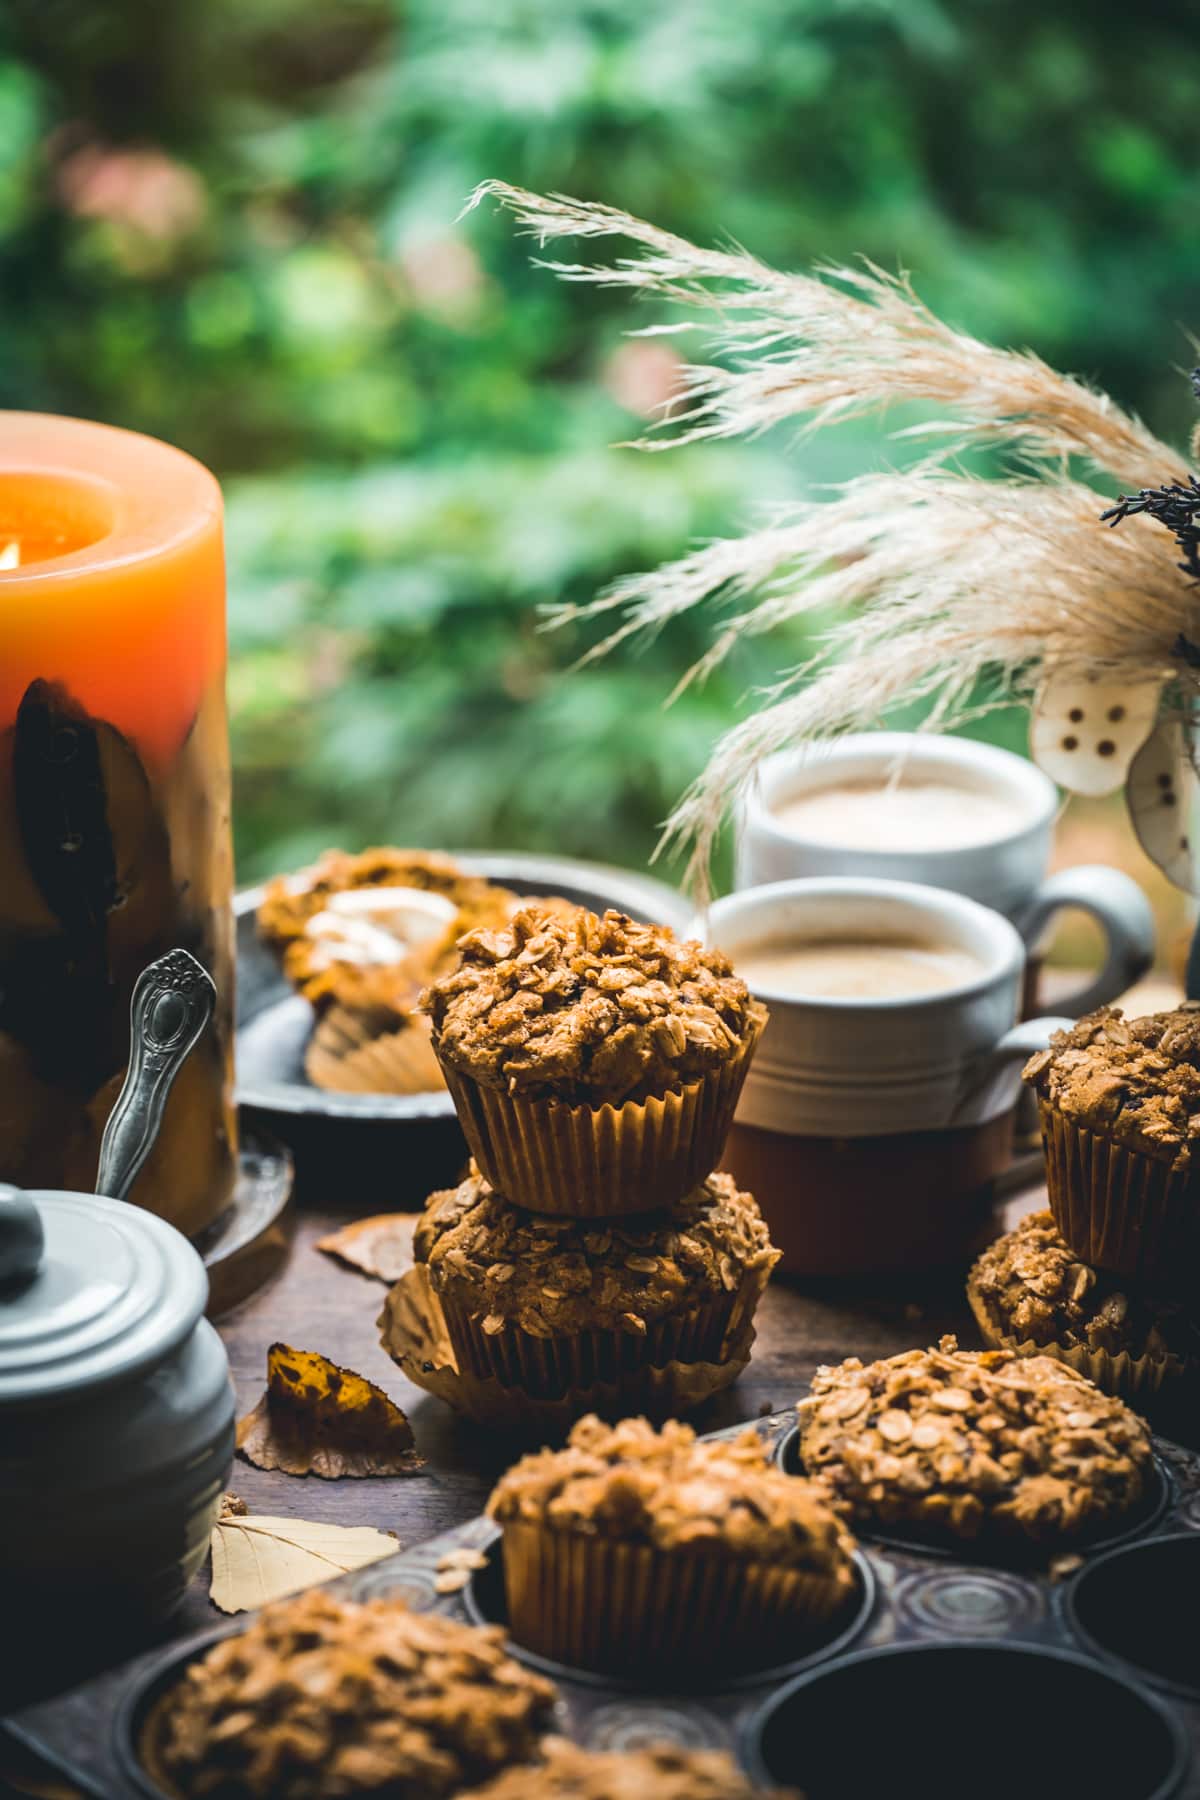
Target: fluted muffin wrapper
[414, 1332]
[1145, 1381]
[601, 1162]
[1120, 1209]
[548, 1368]
[599, 1603]
[349, 1054]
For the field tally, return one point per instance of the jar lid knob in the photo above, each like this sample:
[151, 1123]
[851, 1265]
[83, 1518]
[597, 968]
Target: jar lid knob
[22, 1237]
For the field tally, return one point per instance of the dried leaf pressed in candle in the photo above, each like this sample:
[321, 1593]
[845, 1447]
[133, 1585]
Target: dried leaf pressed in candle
[94, 847]
[257, 1558]
[318, 1419]
[380, 1245]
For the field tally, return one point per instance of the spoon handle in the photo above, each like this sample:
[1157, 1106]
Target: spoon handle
[172, 1003]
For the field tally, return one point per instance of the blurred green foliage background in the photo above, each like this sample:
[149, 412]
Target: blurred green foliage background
[233, 224]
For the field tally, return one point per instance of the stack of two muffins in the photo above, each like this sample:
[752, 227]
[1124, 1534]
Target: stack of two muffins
[1108, 1279]
[592, 1253]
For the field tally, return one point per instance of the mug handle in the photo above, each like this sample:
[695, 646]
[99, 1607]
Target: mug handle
[1016, 1046]
[1120, 909]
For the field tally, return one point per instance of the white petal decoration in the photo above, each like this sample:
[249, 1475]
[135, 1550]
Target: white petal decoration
[1163, 792]
[1085, 734]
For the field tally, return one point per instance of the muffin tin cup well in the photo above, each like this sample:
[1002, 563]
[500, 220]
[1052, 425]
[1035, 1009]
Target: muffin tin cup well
[135, 1725]
[616, 1608]
[1005, 1552]
[1139, 1606]
[767, 1660]
[1119, 1209]
[600, 1162]
[947, 1718]
[549, 1368]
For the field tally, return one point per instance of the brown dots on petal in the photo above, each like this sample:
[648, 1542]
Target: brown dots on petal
[1183, 844]
[1070, 743]
[1076, 715]
[1168, 798]
[1116, 714]
[1106, 747]
[1164, 781]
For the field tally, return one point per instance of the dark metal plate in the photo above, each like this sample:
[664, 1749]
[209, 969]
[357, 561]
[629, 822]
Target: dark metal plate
[274, 1023]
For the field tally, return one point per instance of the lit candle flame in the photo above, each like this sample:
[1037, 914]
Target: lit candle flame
[10, 556]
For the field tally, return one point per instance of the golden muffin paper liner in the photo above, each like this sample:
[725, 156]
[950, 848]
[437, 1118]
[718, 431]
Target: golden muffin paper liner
[601, 1161]
[1118, 1208]
[1144, 1381]
[601, 1604]
[362, 1053]
[414, 1332]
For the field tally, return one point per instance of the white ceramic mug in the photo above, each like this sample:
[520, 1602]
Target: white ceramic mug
[1007, 873]
[872, 1129]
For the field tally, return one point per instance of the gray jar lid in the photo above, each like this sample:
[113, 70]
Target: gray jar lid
[100, 1292]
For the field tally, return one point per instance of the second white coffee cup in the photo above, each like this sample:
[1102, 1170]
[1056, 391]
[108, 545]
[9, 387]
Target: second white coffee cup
[864, 1065]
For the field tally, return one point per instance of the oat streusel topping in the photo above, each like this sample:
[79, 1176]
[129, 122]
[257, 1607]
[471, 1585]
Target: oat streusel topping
[663, 1772]
[560, 1275]
[671, 1489]
[1136, 1080]
[320, 1698]
[589, 1009]
[1033, 1287]
[965, 1443]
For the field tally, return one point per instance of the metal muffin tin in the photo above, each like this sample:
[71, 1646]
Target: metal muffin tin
[956, 1677]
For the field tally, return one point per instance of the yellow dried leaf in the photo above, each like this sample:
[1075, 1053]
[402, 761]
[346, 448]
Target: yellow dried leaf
[257, 1558]
[380, 1245]
[318, 1419]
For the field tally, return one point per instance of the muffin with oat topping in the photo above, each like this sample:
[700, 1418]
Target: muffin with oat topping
[979, 1446]
[1031, 1293]
[555, 1306]
[662, 1772]
[320, 1698]
[594, 1063]
[655, 1550]
[1119, 1101]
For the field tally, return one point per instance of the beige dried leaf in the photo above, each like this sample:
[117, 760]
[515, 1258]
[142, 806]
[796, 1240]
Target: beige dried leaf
[259, 1558]
[318, 1419]
[380, 1245]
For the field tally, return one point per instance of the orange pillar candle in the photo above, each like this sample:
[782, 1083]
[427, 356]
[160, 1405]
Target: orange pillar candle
[114, 798]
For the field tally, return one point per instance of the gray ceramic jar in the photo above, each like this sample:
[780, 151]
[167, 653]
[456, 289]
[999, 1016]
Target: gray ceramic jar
[116, 1407]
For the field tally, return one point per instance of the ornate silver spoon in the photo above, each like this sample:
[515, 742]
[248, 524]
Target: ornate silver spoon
[172, 1003]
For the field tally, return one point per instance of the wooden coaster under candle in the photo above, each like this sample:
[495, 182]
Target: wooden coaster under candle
[114, 798]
